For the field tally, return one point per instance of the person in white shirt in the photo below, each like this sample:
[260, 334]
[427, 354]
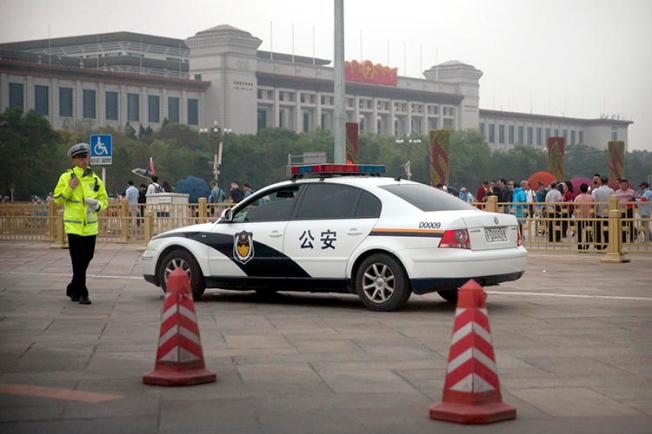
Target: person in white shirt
[154, 187]
[553, 212]
[132, 198]
[601, 195]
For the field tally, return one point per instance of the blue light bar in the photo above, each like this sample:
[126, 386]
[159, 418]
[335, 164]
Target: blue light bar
[338, 169]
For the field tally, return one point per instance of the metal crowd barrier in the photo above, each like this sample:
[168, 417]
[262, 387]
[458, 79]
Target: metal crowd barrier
[544, 226]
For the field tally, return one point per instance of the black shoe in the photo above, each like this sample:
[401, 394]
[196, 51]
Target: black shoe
[74, 298]
[84, 300]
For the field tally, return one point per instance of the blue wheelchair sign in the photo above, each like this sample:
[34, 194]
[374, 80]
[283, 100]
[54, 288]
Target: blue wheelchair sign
[101, 149]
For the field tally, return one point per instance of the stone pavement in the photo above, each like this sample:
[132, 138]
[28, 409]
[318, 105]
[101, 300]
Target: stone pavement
[572, 339]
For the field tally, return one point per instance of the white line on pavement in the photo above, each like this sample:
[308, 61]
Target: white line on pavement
[553, 294]
[99, 276]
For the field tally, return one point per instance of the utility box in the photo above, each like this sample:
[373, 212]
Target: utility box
[170, 210]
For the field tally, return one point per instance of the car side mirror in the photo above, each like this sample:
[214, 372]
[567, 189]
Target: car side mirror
[227, 215]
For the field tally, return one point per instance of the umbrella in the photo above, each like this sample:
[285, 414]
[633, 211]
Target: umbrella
[542, 176]
[195, 187]
[579, 181]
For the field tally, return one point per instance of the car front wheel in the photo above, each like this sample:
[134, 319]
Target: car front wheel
[182, 259]
[381, 283]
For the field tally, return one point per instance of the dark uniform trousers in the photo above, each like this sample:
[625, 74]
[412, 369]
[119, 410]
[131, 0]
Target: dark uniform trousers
[82, 249]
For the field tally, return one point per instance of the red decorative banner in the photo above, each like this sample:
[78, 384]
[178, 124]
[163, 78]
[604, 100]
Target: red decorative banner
[556, 149]
[439, 157]
[352, 143]
[616, 162]
[367, 72]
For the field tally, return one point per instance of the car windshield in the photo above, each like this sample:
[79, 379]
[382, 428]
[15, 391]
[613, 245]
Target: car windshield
[427, 198]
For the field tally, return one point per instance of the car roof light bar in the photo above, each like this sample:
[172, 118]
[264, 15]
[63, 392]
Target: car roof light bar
[337, 169]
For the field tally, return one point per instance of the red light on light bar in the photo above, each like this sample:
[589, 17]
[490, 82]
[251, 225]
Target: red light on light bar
[338, 168]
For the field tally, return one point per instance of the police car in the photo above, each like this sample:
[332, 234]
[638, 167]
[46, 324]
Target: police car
[344, 228]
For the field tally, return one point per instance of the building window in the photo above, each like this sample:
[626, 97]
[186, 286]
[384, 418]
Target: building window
[580, 137]
[492, 137]
[529, 135]
[306, 121]
[614, 135]
[89, 104]
[538, 136]
[65, 102]
[111, 106]
[501, 134]
[547, 134]
[556, 132]
[572, 137]
[510, 134]
[133, 107]
[41, 100]
[281, 119]
[261, 118]
[565, 136]
[198, 77]
[520, 136]
[16, 95]
[154, 108]
[173, 109]
[193, 111]
[482, 131]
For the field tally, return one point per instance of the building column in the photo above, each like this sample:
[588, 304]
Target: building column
[165, 110]
[374, 116]
[78, 108]
[424, 120]
[356, 101]
[408, 126]
[392, 118]
[54, 103]
[101, 102]
[183, 109]
[276, 109]
[4, 92]
[29, 93]
[143, 111]
[298, 118]
[317, 113]
[122, 106]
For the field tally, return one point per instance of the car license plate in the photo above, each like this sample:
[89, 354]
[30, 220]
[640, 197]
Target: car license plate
[495, 234]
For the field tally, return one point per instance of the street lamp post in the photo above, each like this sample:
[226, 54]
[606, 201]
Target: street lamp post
[217, 134]
[407, 166]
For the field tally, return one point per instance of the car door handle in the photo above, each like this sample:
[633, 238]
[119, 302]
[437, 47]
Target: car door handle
[275, 234]
[353, 231]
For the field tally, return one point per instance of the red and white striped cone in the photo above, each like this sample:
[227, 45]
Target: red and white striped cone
[472, 388]
[179, 358]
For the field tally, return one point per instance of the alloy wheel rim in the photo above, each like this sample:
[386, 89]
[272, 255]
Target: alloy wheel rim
[174, 264]
[378, 283]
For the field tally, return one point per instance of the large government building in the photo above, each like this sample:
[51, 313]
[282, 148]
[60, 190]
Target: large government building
[219, 74]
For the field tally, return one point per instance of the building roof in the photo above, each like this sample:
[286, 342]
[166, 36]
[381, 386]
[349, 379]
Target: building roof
[94, 39]
[267, 55]
[66, 72]
[548, 118]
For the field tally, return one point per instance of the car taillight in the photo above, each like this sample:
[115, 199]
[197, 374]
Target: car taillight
[519, 238]
[455, 239]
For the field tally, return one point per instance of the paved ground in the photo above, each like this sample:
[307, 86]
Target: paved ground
[572, 340]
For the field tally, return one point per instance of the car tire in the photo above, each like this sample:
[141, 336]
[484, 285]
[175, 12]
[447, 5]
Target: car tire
[381, 283]
[180, 258]
[450, 295]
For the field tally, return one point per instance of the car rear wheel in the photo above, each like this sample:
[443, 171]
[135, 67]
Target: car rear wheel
[381, 283]
[450, 295]
[182, 259]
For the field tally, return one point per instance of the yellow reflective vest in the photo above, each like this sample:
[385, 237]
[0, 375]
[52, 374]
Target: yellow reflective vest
[79, 218]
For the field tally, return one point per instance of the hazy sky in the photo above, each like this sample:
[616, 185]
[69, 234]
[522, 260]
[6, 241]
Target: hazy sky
[561, 57]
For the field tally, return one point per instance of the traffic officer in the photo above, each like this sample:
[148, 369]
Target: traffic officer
[83, 195]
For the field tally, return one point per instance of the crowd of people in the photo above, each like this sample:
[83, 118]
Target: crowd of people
[561, 201]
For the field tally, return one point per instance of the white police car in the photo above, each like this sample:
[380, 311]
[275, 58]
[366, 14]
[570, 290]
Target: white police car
[380, 238]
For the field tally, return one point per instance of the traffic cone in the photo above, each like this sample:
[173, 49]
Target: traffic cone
[179, 358]
[472, 389]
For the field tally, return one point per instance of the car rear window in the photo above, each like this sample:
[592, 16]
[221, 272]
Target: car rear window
[427, 198]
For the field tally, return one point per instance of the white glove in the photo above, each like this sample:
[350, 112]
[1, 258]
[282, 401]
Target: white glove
[90, 201]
